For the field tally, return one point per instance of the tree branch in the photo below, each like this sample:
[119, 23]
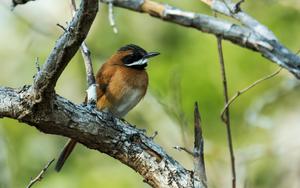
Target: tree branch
[240, 92]
[111, 17]
[227, 112]
[230, 9]
[65, 48]
[90, 78]
[99, 131]
[94, 129]
[240, 35]
[40, 176]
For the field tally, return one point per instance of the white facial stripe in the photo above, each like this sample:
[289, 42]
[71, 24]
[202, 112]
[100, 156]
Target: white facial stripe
[139, 62]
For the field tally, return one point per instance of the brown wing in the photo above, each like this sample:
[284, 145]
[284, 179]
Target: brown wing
[103, 78]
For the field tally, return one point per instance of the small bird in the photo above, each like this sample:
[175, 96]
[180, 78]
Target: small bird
[122, 82]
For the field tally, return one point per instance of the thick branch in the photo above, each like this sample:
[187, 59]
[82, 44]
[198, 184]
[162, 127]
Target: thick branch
[99, 131]
[65, 48]
[230, 9]
[240, 35]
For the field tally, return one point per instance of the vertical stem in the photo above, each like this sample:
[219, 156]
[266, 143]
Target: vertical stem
[200, 180]
[86, 54]
[227, 114]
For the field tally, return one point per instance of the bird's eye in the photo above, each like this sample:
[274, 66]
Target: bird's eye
[130, 58]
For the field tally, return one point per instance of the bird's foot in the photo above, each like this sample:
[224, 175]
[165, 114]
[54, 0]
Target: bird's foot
[91, 106]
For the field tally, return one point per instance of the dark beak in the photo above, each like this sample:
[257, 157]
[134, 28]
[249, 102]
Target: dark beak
[151, 54]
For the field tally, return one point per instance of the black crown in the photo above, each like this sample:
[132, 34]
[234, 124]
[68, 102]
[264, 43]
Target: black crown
[134, 48]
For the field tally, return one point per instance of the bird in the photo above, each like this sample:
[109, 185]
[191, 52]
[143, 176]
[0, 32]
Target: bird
[122, 82]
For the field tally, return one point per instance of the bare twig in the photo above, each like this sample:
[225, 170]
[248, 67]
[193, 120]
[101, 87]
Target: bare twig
[37, 64]
[65, 48]
[73, 6]
[91, 91]
[62, 27]
[154, 135]
[179, 148]
[40, 176]
[111, 17]
[227, 115]
[237, 6]
[239, 93]
[199, 165]
[86, 54]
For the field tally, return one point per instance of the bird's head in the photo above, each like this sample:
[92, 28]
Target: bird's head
[134, 56]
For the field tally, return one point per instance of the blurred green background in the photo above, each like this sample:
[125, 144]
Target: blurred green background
[265, 120]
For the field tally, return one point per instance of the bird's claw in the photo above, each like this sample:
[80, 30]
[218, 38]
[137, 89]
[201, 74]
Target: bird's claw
[91, 106]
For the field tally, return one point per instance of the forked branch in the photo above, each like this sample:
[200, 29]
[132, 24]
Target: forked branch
[239, 93]
[251, 34]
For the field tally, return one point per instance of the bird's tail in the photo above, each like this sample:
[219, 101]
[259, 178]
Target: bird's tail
[68, 148]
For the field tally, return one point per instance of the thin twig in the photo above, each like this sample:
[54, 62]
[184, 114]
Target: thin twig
[237, 6]
[73, 6]
[40, 176]
[227, 115]
[37, 65]
[239, 93]
[111, 17]
[62, 27]
[179, 148]
[154, 135]
[199, 165]
[86, 54]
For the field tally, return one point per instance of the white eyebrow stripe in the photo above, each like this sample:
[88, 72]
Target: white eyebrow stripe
[139, 62]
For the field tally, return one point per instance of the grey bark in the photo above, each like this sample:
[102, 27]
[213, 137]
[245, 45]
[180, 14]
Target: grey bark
[254, 37]
[99, 131]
